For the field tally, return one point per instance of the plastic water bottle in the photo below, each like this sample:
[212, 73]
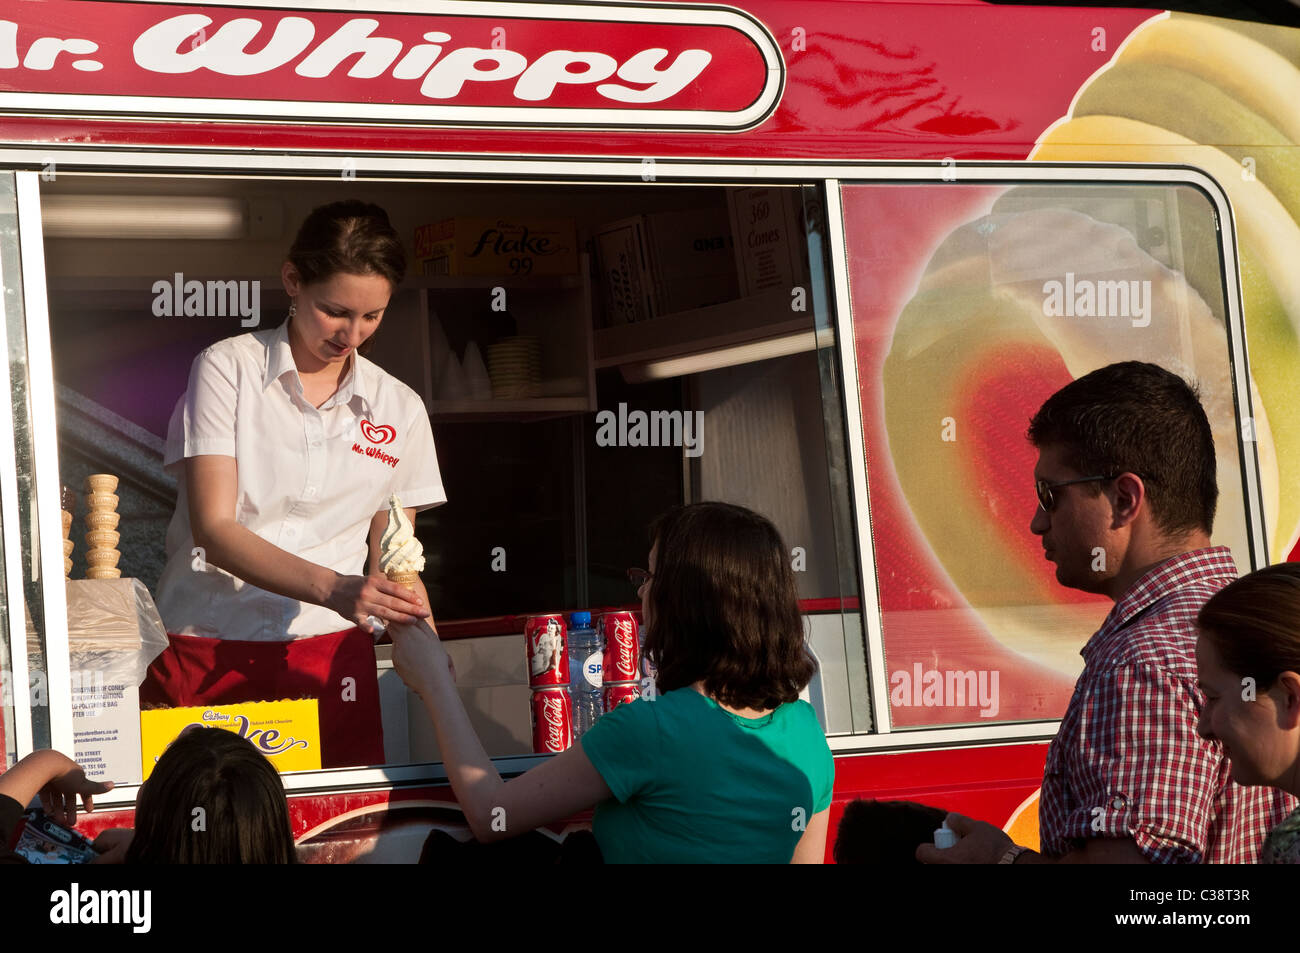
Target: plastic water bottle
[945, 836]
[586, 656]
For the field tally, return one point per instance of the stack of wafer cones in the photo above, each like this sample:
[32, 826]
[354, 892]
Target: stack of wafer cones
[68, 545]
[101, 527]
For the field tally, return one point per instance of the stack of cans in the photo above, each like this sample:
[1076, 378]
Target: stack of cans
[622, 665]
[546, 638]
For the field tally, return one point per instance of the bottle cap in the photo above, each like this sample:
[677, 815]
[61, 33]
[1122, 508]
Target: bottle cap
[580, 619]
[944, 836]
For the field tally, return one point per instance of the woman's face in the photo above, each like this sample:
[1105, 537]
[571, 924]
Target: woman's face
[1246, 719]
[644, 591]
[335, 316]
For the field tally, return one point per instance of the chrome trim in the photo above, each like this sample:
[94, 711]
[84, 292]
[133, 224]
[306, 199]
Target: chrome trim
[197, 162]
[343, 780]
[331, 780]
[40, 389]
[11, 539]
[868, 585]
[1248, 450]
[916, 739]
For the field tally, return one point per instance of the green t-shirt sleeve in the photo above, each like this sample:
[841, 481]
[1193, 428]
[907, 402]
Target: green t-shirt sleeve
[623, 746]
[827, 777]
[819, 763]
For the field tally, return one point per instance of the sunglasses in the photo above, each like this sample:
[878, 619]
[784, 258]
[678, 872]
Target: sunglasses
[1044, 489]
[638, 577]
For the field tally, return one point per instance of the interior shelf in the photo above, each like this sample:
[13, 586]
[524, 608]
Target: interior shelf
[524, 408]
[554, 309]
[90, 290]
[730, 323]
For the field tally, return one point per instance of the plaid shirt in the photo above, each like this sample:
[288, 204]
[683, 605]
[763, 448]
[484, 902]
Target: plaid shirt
[1127, 761]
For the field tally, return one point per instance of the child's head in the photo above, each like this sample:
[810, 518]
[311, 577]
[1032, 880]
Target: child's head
[1248, 656]
[885, 832]
[212, 799]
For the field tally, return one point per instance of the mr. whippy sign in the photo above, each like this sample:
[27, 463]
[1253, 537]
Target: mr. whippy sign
[435, 61]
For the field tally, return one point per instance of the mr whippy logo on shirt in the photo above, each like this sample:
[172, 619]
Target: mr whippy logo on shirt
[377, 435]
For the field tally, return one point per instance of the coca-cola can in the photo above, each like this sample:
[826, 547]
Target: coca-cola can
[546, 640]
[619, 693]
[622, 647]
[552, 720]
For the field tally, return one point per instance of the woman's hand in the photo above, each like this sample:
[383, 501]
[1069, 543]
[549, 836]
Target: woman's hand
[358, 597]
[420, 658]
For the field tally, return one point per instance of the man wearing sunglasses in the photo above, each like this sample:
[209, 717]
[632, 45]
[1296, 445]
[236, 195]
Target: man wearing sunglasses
[1126, 491]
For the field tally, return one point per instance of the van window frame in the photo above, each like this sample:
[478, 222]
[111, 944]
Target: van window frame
[29, 161]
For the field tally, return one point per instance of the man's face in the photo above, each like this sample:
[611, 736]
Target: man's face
[1076, 533]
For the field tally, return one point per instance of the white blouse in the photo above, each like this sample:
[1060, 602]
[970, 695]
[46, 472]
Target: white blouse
[310, 479]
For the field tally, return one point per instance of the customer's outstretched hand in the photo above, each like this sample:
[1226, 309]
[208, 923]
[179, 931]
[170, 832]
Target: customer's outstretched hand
[420, 658]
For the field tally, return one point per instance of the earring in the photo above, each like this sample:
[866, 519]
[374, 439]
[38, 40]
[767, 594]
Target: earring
[293, 309]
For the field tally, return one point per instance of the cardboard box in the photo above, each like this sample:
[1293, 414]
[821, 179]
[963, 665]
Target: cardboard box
[771, 248]
[497, 247]
[625, 277]
[691, 258]
[665, 262]
[287, 732]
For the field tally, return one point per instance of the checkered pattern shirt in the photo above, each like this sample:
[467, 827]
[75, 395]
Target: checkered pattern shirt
[1127, 761]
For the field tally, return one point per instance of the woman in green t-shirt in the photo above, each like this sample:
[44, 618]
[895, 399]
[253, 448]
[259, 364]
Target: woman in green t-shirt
[726, 765]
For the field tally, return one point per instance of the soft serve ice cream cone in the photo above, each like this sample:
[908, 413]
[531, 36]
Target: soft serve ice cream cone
[402, 556]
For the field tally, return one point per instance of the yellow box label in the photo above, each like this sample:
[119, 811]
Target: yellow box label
[287, 732]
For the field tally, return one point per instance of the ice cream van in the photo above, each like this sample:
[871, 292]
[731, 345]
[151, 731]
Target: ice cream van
[823, 259]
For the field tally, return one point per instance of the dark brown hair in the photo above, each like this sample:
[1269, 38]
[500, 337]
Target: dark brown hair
[348, 237]
[244, 817]
[1137, 418]
[1254, 623]
[885, 832]
[724, 608]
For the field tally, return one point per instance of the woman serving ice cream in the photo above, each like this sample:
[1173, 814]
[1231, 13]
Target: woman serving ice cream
[291, 450]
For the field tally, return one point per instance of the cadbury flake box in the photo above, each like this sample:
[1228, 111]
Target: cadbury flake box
[497, 247]
[287, 732]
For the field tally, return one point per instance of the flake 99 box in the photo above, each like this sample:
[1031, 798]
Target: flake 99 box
[497, 247]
